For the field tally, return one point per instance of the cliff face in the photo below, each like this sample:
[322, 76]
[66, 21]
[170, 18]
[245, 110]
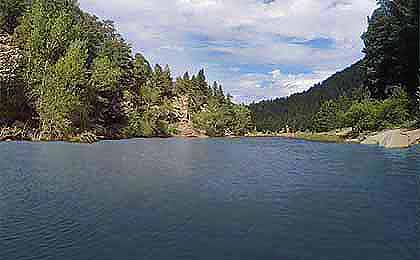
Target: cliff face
[12, 99]
[9, 59]
[185, 126]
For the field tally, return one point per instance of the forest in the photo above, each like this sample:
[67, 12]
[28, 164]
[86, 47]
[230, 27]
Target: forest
[67, 75]
[380, 91]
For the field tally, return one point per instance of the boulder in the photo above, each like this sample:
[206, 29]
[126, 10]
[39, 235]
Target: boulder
[413, 136]
[374, 138]
[344, 132]
[397, 138]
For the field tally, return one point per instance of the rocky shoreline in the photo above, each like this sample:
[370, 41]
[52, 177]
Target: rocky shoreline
[392, 138]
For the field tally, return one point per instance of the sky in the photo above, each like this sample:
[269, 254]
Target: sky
[257, 49]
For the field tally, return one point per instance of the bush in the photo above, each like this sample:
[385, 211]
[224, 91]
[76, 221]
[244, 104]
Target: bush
[371, 115]
[138, 126]
[363, 116]
[394, 111]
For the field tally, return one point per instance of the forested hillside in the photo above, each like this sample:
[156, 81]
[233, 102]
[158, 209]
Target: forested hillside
[380, 91]
[298, 110]
[64, 72]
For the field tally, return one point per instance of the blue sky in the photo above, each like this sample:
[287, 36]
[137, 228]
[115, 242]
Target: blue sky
[257, 49]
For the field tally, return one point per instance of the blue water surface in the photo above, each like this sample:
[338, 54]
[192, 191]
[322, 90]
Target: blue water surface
[211, 199]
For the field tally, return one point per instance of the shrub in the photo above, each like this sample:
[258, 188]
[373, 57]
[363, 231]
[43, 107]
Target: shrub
[372, 115]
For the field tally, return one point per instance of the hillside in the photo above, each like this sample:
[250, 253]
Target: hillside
[65, 73]
[297, 110]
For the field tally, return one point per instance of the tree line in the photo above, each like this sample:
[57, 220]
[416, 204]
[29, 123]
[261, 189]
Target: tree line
[380, 91]
[76, 73]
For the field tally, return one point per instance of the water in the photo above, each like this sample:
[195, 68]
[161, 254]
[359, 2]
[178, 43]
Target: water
[208, 199]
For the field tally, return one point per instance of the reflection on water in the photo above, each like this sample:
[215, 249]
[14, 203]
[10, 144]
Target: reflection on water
[207, 199]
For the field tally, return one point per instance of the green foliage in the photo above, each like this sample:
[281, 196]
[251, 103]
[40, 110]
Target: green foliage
[141, 70]
[139, 125]
[298, 110]
[103, 88]
[219, 119]
[10, 11]
[391, 47]
[327, 117]
[331, 114]
[392, 51]
[46, 32]
[240, 121]
[59, 104]
[211, 119]
[363, 116]
[373, 115]
[183, 85]
[78, 76]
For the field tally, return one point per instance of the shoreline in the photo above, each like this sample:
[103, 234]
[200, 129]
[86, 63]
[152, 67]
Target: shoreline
[391, 138]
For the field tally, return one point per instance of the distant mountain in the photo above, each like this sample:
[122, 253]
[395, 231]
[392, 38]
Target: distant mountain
[297, 110]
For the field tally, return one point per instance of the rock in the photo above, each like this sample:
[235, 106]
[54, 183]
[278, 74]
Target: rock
[413, 136]
[398, 138]
[395, 139]
[344, 132]
[9, 58]
[88, 137]
[374, 138]
[11, 134]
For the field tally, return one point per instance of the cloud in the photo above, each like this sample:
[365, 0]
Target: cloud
[257, 87]
[312, 36]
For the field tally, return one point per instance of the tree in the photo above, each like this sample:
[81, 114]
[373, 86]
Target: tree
[183, 85]
[363, 116]
[167, 83]
[391, 47]
[78, 74]
[240, 121]
[327, 118]
[103, 89]
[60, 104]
[10, 11]
[298, 110]
[211, 119]
[45, 34]
[200, 90]
[142, 72]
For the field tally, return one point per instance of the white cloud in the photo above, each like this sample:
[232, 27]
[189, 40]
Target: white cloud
[247, 31]
[256, 87]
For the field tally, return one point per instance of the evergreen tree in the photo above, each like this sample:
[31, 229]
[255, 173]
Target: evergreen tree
[215, 89]
[167, 83]
[183, 86]
[78, 74]
[391, 47]
[142, 70]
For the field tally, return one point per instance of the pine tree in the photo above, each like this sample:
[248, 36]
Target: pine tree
[215, 89]
[391, 47]
[167, 83]
[142, 71]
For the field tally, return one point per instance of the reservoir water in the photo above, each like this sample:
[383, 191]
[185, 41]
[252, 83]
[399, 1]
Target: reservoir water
[215, 199]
